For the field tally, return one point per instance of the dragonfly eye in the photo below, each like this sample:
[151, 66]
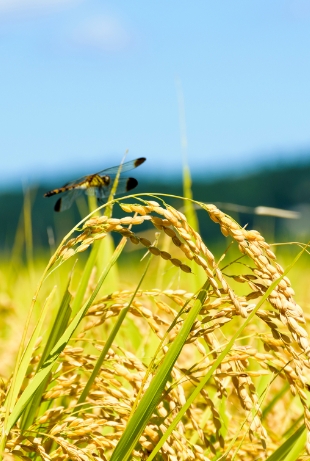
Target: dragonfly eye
[106, 180]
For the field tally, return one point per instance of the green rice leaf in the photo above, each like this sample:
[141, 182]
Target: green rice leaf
[291, 448]
[78, 299]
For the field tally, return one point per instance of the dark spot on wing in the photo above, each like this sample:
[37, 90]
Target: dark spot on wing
[57, 205]
[139, 161]
[131, 183]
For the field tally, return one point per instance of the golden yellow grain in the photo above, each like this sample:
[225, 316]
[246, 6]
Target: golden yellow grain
[145, 242]
[277, 328]
[165, 255]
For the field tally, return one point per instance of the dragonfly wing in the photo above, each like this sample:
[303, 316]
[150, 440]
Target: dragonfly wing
[65, 202]
[124, 185]
[76, 182]
[91, 191]
[124, 167]
[108, 171]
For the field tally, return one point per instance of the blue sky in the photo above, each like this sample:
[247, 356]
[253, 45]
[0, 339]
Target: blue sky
[82, 81]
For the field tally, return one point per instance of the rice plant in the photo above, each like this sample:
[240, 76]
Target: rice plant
[191, 357]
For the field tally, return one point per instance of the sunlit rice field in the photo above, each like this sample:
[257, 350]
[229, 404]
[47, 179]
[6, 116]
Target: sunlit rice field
[156, 347]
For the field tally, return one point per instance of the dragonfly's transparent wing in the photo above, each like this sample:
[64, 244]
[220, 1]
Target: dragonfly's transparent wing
[124, 185]
[65, 202]
[108, 171]
[76, 182]
[91, 191]
[125, 167]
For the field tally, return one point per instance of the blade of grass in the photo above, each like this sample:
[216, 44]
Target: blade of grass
[298, 447]
[92, 205]
[109, 208]
[17, 250]
[292, 428]
[91, 261]
[106, 248]
[153, 393]
[291, 448]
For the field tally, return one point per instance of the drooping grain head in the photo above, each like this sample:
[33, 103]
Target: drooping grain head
[273, 350]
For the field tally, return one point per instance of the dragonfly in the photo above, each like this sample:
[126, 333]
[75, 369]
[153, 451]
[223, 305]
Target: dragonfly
[98, 184]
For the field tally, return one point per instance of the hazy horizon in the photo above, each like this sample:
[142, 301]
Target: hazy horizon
[204, 173]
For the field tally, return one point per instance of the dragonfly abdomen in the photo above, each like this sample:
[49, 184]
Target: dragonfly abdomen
[92, 181]
[55, 191]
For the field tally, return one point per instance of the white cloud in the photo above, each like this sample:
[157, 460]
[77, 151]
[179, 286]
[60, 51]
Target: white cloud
[102, 32]
[30, 6]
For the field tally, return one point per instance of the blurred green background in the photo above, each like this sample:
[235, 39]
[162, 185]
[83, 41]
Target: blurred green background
[286, 187]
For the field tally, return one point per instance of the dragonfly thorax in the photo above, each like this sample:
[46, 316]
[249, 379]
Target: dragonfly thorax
[96, 181]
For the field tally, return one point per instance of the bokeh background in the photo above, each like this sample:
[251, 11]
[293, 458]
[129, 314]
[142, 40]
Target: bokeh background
[221, 85]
